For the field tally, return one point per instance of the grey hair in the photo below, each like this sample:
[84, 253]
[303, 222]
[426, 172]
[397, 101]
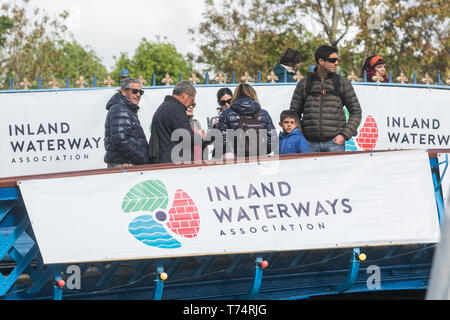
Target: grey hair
[125, 84]
[184, 87]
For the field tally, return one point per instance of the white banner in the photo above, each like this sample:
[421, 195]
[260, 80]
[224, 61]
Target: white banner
[48, 132]
[311, 203]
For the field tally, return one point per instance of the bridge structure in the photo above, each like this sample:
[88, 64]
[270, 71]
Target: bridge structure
[293, 274]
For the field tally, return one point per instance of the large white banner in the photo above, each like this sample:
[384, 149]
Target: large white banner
[47, 132]
[310, 203]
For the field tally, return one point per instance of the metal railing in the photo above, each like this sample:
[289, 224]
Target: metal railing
[218, 79]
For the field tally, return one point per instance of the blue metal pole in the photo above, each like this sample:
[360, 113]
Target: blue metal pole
[67, 82]
[365, 76]
[207, 78]
[437, 192]
[259, 76]
[352, 273]
[257, 279]
[11, 83]
[159, 286]
[233, 78]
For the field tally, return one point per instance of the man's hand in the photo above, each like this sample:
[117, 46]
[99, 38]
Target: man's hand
[339, 139]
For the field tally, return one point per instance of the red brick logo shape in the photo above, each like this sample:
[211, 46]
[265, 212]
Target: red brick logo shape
[368, 135]
[184, 218]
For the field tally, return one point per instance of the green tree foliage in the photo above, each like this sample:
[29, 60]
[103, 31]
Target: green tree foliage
[159, 57]
[240, 36]
[37, 45]
[413, 36]
[5, 24]
[249, 35]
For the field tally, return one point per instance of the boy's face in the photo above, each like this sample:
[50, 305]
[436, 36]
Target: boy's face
[288, 125]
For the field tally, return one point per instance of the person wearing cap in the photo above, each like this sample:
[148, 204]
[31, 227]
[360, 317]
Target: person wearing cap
[125, 140]
[311, 69]
[372, 66]
[288, 64]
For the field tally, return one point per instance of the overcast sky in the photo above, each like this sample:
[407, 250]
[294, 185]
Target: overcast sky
[113, 26]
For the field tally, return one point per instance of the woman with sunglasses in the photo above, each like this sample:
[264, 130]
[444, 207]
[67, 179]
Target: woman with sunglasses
[245, 105]
[372, 66]
[224, 97]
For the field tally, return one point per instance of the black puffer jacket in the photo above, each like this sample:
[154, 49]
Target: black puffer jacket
[229, 119]
[322, 116]
[125, 140]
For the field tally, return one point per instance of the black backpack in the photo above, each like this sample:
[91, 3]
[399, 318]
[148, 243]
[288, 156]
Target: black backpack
[308, 91]
[246, 123]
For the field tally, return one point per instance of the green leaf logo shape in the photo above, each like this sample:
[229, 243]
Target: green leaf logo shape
[146, 196]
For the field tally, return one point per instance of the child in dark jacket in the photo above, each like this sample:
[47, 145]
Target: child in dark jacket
[291, 139]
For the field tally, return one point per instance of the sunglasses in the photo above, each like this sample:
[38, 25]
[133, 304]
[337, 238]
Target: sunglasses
[224, 102]
[135, 91]
[332, 60]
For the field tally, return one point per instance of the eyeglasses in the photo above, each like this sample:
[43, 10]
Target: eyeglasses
[332, 60]
[135, 91]
[224, 102]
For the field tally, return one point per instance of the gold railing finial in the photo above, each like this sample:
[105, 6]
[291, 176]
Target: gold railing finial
[272, 77]
[25, 84]
[298, 76]
[54, 84]
[427, 79]
[167, 80]
[81, 83]
[353, 77]
[402, 78]
[246, 78]
[220, 78]
[377, 77]
[194, 79]
[142, 80]
[108, 81]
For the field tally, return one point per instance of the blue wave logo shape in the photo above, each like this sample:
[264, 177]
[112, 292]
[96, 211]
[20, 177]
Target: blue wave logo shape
[147, 230]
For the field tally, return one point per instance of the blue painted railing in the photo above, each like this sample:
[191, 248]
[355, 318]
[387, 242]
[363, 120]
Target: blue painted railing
[270, 275]
[207, 82]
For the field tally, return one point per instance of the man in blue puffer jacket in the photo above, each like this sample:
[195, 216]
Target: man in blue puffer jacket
[245, 102]
[125, 140]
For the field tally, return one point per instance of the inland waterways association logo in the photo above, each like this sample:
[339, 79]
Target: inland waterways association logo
[151, 228]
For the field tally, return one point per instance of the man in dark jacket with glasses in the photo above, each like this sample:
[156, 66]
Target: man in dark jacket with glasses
[125, 140]
[318, 101]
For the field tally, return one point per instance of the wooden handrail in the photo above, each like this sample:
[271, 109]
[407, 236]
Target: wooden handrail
[11, 182]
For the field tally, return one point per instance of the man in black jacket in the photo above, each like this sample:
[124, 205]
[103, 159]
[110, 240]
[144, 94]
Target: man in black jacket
[125, 140]
[171, 127]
